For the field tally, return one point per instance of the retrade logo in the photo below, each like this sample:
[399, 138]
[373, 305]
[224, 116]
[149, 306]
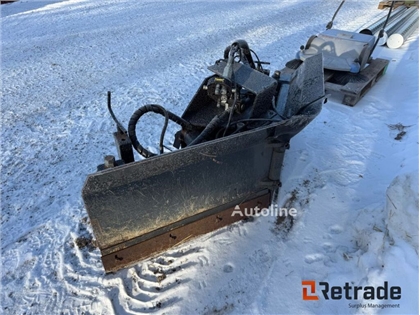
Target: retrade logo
[349, 292]
[308, 290]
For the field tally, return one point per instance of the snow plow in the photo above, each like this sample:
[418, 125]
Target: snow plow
[344, 51]
[349, 67]
[226, 157]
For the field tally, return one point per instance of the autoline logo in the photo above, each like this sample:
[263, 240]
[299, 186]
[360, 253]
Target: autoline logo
[349, 292]
[272, 210]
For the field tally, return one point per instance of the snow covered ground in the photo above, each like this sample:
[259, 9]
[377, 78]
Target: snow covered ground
[352, 174]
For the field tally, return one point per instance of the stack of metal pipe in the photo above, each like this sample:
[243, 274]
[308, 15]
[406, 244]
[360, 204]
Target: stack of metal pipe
[404, 30]
[398, 17]
[375, 27]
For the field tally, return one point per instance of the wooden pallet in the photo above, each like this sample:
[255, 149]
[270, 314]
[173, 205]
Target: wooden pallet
[386, 4]
[353, 91]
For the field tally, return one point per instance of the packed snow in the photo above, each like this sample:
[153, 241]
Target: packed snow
[352, 174]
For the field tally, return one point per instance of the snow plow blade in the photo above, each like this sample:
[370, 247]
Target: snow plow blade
[140, 208]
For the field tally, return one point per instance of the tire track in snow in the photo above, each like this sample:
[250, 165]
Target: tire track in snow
[65, 278]
[153, 285]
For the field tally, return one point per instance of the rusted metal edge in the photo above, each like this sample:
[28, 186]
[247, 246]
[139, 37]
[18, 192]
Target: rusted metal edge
[167, 237]
[174, 225]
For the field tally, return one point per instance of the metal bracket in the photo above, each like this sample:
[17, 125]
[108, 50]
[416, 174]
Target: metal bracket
[270, 184]
[274, 142]
[124, 147]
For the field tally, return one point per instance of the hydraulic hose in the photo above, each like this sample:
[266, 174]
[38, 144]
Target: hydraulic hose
[216, 122]
[120, 127]
[158, 110]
